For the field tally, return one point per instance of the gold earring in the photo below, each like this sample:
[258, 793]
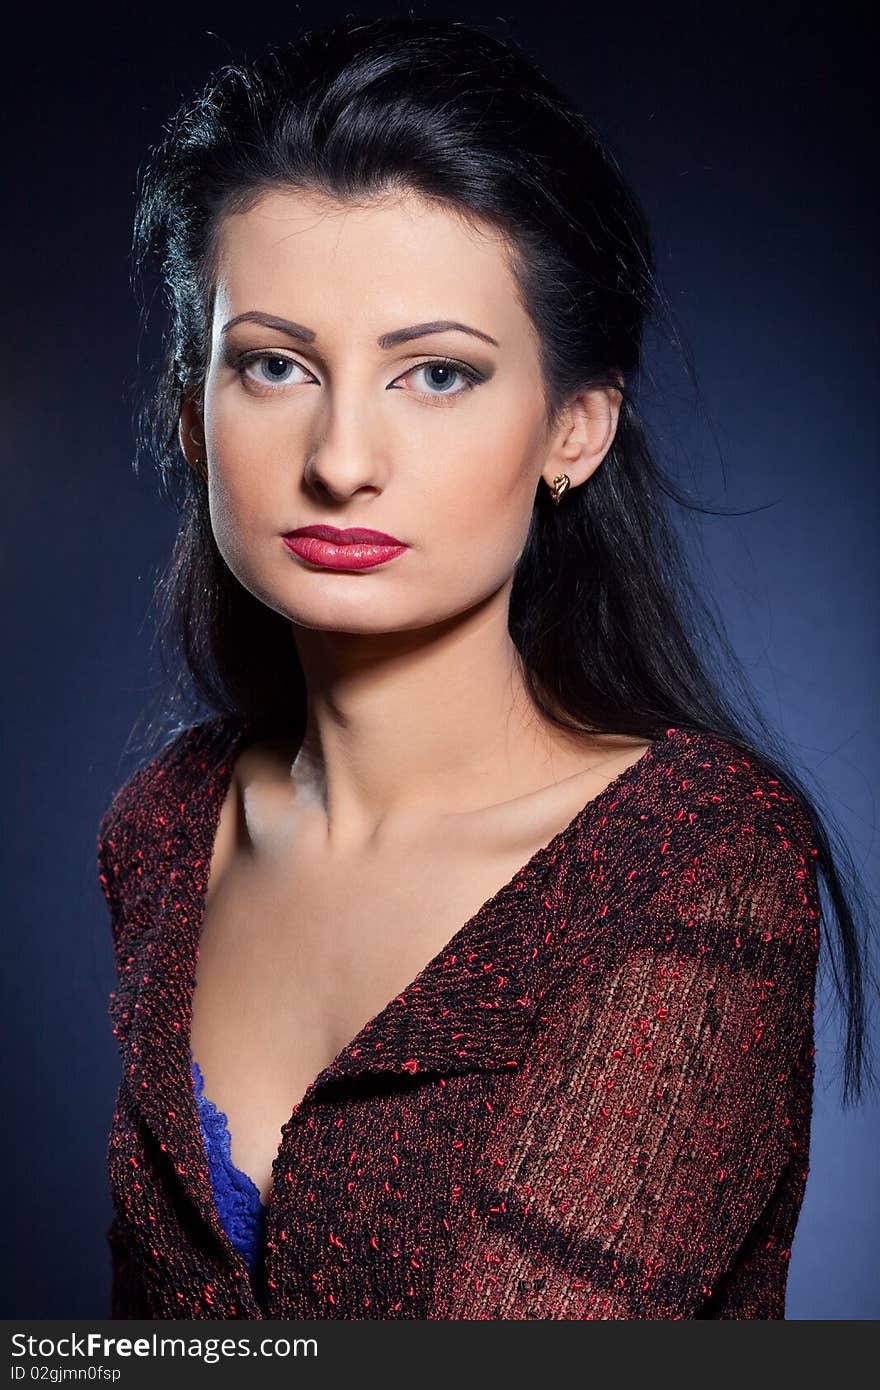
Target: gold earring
[559, 486]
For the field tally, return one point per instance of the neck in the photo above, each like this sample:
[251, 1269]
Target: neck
[435, 719]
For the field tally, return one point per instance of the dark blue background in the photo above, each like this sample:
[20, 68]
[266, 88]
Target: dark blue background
[749, 136]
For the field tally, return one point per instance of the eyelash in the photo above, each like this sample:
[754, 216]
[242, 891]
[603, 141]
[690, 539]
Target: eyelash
[241, 361]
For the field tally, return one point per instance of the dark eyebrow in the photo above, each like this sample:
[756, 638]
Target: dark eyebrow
[421, 330]
[387, 340]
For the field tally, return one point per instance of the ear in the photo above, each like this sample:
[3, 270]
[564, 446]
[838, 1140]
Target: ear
[585, 434]
[190, 432]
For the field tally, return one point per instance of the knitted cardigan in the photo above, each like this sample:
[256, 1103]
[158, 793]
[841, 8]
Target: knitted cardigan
[593, 1102]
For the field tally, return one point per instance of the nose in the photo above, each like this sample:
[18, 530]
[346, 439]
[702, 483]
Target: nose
[346, 459]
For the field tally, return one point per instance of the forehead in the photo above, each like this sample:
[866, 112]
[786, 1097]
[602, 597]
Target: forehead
[396, 259]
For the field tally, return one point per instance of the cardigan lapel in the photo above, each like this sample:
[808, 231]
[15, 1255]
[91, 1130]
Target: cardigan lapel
[183, 802]
[471, 1008]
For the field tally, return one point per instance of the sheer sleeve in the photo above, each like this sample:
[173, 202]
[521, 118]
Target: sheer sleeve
[655, 1131]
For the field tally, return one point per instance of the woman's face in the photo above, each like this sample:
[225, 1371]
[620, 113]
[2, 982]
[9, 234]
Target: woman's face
[340, 428]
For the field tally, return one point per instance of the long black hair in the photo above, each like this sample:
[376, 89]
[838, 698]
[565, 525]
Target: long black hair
[612, 632]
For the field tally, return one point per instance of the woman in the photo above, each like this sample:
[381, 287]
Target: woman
[467, 950]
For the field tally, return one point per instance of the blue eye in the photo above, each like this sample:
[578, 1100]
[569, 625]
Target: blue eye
[263, 369]
[446, 370]
[271, 363]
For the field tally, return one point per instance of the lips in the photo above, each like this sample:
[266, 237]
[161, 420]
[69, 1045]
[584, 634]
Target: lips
[351, 536]
[357, 548]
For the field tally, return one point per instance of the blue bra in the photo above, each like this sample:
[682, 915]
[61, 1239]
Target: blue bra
[237, 1196]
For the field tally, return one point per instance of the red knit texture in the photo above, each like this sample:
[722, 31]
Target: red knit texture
[593, 1102]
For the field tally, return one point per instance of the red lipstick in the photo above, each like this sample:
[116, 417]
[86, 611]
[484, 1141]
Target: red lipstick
[356, 548]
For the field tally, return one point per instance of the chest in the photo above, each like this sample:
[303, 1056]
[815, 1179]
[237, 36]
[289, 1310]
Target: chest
[297, 955]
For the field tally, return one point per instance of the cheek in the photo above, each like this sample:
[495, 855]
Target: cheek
[250, 446]
[487, 493]
[239, 502]
[250, 471]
